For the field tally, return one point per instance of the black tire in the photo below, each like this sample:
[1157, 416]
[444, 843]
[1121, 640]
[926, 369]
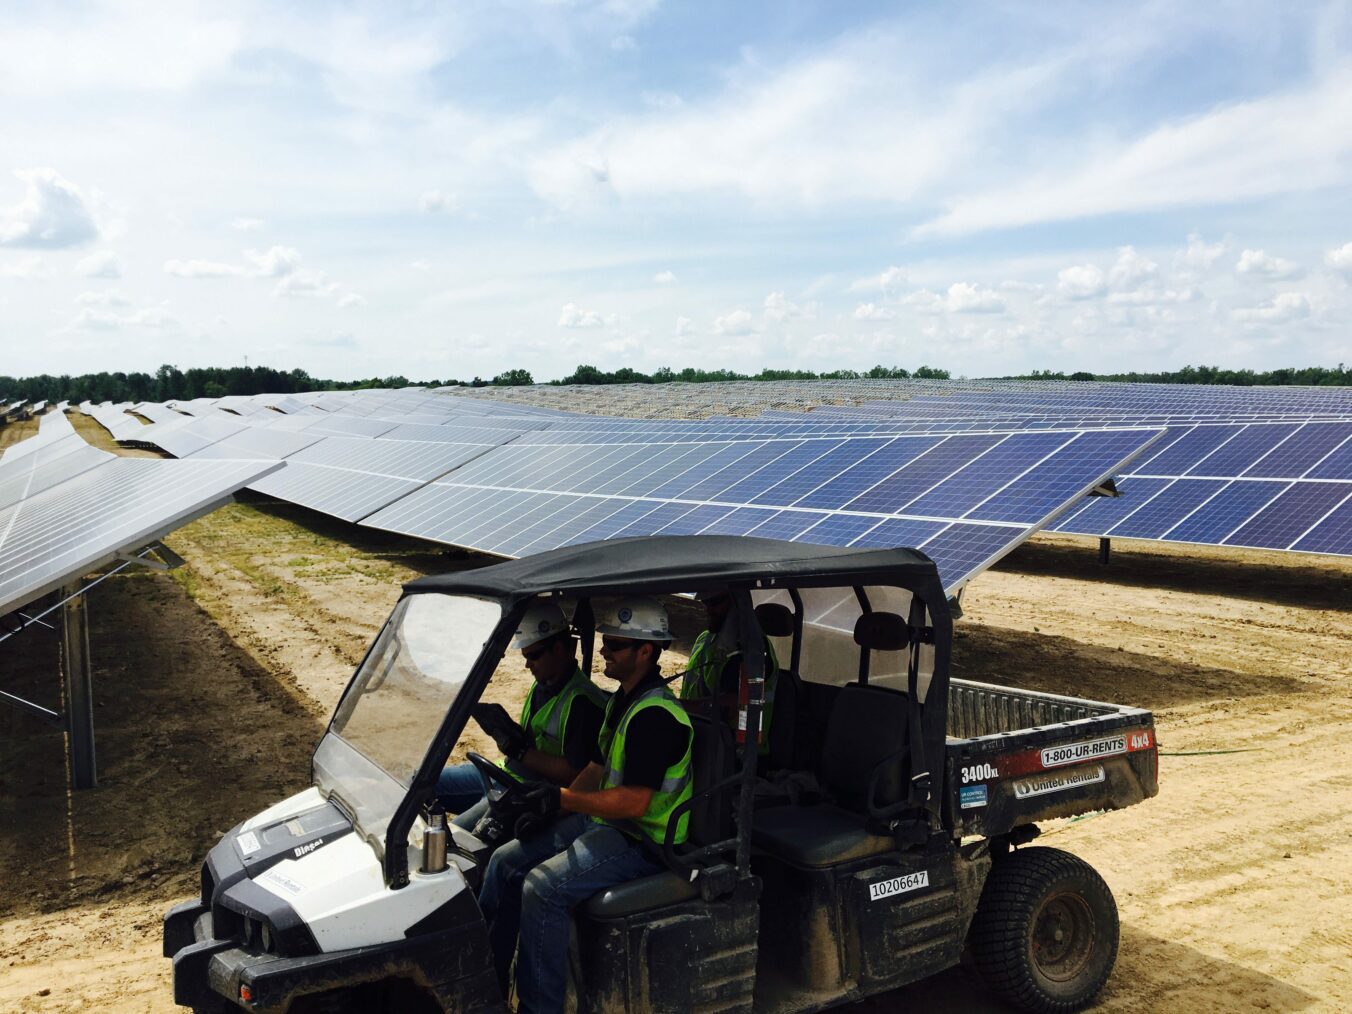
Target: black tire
[1045, 931]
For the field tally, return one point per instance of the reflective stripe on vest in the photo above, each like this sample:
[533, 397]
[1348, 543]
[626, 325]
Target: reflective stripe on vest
[705, 669]
[548, 727]
[677, 781]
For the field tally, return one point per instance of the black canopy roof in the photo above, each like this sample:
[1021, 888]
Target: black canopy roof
[688, 563]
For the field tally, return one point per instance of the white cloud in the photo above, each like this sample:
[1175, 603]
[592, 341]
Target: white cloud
[102, 297]
[420, 265]
[664, 277]
[1340, 258]
[275, 262]
[889, 282]
[305, 284]
[350, 299]
[1288, 306]
[871, 311]
[1264, 265]
[1296, 141]
[735, 324]
[1151, 295]
[31, 267]
[925, 301]
[435, 200]
[1131, 269]
[573, 315]
[1199, 253]
[777, 307]
[1081, 281]
[100, 264]
[53, 215]
[94, 319]
[963, 297]
[202, 269]
[623, 44]
[247, 224]
[1016, 286]
[684, 327]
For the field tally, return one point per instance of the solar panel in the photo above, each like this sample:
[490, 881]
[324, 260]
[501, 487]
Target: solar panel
[63, 532]
[351, 477]
[1249, 485]
[46, 468]
[185, 440]
[256, 442]
[520, 499]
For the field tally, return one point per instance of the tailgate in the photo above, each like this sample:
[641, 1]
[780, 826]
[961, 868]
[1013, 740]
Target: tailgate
[999, 782]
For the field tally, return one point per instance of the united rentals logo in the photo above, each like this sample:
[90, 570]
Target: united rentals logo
[306, 849]
[1040, 785]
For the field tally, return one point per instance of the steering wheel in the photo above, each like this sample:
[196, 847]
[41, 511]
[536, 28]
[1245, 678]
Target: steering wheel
[502, 789]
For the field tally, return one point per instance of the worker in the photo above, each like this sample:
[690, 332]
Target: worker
[560, 717]
[716, 672]
[604, 828]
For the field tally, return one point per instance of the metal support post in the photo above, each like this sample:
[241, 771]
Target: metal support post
[79, 689]
[1105, 549]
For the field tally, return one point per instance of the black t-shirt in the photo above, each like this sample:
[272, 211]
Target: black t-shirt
[654, 741]
[584, 723]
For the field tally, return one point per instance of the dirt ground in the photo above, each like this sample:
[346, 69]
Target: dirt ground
[213, 684]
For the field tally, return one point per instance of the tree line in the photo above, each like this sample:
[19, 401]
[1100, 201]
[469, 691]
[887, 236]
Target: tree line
[169, 383]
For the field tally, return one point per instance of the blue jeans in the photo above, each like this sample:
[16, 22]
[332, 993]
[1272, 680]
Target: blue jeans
[459, 787]
[532, 887]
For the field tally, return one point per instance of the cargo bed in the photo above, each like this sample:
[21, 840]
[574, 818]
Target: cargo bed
[1016, 757]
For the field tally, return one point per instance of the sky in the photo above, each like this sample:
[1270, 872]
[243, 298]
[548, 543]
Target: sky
[445, 190]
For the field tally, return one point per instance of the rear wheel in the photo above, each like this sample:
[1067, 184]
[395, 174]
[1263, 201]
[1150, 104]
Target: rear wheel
[1045, 932]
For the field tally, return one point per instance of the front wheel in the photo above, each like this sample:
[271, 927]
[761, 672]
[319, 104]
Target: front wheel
[1045, 932]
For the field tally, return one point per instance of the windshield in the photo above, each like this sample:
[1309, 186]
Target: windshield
[386, 721]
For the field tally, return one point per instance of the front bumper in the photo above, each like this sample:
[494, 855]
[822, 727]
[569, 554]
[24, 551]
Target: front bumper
[450, 965]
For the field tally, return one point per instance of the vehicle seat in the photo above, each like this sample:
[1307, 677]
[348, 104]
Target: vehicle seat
[776, 620]
[867, 727]
[712, 758]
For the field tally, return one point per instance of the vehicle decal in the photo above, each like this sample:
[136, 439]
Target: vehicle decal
[279, 880]
[1041, 785]
[307, 848]
[898, 885]
[971, 796]
[248, 843]
[1029, 762]
[982, 772]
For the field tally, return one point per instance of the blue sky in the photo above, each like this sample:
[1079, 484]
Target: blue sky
[444, 190]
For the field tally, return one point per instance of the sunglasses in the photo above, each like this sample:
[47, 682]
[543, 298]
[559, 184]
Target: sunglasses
[534, 654]
[615, 646]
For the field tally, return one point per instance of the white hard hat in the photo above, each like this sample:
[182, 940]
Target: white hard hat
[640, 619]
[542, 620]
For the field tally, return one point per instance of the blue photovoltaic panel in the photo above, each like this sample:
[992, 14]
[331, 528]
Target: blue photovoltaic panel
[1242, 450]
[1304, 449]
[1046, 486]
[569, 528]
[871, 470]
[799, 484]
[963, 548]
[1291, 515]
[753, 484]
[999, 466]
[740, 521]
[838, 529]
[714, 485]
[1333, 534]
[930, 467]
[902, 532]
[1177, 457]
[787, 525]
[696, 521]
[1100, 513]
[1336, 465]
[1167, 509]
[1223, 513]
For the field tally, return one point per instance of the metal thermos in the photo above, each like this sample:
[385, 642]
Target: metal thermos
[434, 842]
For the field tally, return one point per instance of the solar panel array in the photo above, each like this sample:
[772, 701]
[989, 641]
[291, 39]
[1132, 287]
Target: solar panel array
[962, 470]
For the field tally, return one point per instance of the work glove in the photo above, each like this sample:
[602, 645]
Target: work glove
[510, 738]
[541, 805]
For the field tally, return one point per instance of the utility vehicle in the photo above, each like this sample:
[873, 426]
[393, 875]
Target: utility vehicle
[877, 839]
